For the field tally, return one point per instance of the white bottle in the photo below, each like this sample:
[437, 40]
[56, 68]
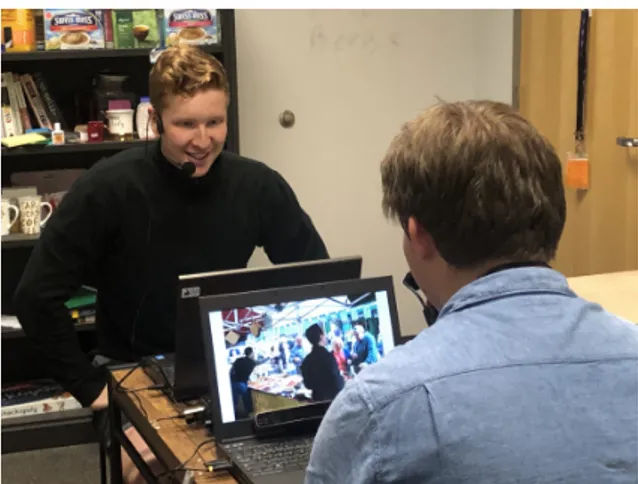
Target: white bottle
[142, 125]
[57, 135]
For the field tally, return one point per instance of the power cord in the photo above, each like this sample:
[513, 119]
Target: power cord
[133, 391]
[209, 466]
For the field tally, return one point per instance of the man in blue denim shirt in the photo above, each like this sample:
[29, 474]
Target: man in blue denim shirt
[520, 380]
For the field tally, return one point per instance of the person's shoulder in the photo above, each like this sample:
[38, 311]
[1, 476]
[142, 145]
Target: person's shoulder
[617, 335]
[234, 163]
[117, 168]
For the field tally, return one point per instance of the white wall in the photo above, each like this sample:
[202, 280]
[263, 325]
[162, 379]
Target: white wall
[352, 78]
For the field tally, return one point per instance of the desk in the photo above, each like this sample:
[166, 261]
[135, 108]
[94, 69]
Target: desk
[617, 292]
[172, 441]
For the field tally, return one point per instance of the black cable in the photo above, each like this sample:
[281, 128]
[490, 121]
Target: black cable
[183, 465]
[143, 389]
[140, 405]
[118, 385]
[170, 417]
[133, 391]
[582, 75]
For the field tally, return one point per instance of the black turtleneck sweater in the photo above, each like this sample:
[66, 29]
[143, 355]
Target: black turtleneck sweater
[129, 227]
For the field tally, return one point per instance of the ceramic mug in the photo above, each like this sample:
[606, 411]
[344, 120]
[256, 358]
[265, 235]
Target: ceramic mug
[31, 213]
[7, 222]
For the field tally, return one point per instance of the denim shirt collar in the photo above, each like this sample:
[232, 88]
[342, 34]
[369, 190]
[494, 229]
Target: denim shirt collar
[505, 283]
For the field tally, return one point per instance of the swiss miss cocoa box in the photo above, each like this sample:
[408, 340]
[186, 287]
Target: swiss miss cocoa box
[191, 26]
[75, 29]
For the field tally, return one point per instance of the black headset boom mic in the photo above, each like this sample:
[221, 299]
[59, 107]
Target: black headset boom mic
[187, 168]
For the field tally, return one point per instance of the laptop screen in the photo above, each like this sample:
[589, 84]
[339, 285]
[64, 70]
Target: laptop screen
[286, 348]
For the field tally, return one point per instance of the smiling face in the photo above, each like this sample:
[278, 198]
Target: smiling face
[195, 128]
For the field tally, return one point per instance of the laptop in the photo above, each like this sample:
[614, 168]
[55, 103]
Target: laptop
[185, 372]
[265, 426]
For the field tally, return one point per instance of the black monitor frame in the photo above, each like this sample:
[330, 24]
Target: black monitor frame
[191, 374]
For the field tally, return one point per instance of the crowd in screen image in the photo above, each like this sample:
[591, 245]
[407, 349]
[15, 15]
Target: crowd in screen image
[294, 353]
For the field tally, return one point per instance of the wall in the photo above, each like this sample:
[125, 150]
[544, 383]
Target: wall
[352, 78]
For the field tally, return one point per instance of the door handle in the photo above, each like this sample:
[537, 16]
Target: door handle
[627, 142]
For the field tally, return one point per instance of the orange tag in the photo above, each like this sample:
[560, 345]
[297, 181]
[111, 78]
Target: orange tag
[577, 173]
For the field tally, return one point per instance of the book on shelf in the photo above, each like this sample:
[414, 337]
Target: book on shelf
[9, 124]
[34, 89]
[12, 97]
[22, 103]
[35, 397]
[35, 101]
[52, 108]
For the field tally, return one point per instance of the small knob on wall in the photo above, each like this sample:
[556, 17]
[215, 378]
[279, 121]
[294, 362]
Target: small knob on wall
[287, 119]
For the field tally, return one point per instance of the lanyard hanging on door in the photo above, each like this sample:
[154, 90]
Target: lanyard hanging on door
[583, 35]
[577, 175]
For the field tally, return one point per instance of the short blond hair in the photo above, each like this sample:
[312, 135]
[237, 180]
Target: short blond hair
[480, 179]
[185, 71]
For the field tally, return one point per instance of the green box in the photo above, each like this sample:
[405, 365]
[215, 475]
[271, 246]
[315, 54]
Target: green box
[135, 29]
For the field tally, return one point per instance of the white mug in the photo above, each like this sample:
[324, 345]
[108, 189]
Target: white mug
[31, 213]
[7, 223]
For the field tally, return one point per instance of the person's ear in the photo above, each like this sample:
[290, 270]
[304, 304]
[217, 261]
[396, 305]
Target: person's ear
[152, 120]
[420, 240]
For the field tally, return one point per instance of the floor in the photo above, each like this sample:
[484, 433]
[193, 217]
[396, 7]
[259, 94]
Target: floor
[78, 464]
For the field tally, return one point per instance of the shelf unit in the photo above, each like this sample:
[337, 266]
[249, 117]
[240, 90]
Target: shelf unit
[66, 77]
[14, 241]
[89, 54]
[44, 150]
[44, 431]
[8, 334]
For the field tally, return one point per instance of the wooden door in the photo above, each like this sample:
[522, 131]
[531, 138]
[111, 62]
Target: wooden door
[601, 233]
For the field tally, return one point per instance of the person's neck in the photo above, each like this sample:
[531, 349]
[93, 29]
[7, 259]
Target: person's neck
[454, 279]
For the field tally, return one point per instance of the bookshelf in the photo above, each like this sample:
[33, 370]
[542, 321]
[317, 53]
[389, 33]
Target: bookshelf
[35, 150]
[19, 240]
[90, 54]
[70, 80]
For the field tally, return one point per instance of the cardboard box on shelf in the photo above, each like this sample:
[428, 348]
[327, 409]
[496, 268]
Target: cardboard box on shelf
[18, 30]
[191, 26]
[73, 29]
[135, 29]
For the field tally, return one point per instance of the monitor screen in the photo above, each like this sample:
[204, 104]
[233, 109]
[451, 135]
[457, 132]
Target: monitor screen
[290, 353]
[191, 377]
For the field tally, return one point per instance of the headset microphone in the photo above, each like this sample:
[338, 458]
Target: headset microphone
[429, 311]
[187, 168]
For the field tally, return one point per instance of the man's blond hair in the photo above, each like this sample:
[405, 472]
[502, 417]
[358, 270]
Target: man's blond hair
[480, 179]
[185, 71]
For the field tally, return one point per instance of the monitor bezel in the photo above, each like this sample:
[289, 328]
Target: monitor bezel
[191, 381]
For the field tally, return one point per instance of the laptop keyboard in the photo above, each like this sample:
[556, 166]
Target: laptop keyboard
[261, 458]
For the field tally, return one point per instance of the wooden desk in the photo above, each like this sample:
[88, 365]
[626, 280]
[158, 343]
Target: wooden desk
[617, 292]
[172, 440]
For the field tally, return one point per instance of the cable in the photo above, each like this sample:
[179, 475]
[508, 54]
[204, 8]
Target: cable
[170, 417]
[183, 465]
[118, 385]
[140, 405]
[143, 389]
[133, 391]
